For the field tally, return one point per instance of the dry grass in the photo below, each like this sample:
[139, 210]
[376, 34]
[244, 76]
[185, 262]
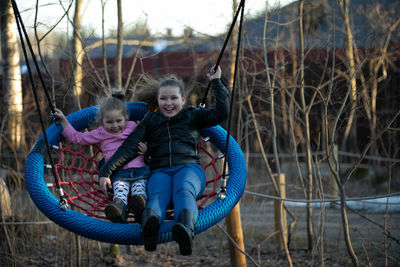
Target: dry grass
[51, 245]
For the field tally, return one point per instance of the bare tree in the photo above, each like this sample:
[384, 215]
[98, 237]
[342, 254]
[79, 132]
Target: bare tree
[77, 53]
[118, 60]
[351, 66]
[103, 3]
[378, 72]
[306, 108]
[12, 86]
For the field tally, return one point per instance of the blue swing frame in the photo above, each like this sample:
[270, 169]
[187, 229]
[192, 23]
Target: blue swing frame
[127, 234]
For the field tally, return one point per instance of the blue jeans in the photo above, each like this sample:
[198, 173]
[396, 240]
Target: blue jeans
[182, 184]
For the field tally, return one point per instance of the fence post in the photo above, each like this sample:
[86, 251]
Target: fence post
[234, 228]
[5, 199]
[114, 250]
[280, 215]
[233, 224]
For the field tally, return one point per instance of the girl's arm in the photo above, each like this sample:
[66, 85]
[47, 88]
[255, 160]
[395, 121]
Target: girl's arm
[73, 136]
[207, 117]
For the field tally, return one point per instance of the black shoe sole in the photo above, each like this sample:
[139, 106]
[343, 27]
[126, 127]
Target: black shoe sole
[137, 207]
[150, 233]
[114, 214]
[183, 238]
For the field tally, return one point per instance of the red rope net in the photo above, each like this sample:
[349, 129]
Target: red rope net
[76, 171]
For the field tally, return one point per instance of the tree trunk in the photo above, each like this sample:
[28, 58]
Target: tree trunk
[283, 84]
[12, 84]
[346, 231]
[78, 53]
[378, 72]
[351, 68]
[103, 45]
[118, 60]
[309, 179]
[6, 211]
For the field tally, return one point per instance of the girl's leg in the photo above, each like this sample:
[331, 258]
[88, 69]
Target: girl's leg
[116, 211]
[121, 191]
[139, 198]
[189, 183]
[159, 192]
[159, 189]
[139, 188]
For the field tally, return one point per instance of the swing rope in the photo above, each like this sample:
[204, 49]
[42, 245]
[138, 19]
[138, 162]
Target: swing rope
[21, 28]
[221, 53]
[222, 191]
[240, 9]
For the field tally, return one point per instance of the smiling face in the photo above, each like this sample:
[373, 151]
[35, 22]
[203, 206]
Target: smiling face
[170, 100]
[114, 121]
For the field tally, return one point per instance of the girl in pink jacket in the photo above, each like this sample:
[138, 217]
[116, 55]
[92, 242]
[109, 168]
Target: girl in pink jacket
[113, 129]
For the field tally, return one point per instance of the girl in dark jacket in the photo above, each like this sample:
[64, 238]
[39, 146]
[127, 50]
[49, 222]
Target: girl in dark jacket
[172, 136]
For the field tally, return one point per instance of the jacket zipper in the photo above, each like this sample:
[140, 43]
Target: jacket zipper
[170, 145]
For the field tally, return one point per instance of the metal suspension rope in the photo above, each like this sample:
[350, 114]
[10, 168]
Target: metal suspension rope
[222, 190]
[241, 6]
[17, 14]
[21, 30]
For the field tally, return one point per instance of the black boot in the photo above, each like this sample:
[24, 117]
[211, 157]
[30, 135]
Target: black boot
[137, 206]
[150, 228]
[183, 232]
[116, 211]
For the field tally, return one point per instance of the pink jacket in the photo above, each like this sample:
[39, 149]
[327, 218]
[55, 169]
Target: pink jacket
[109, 143]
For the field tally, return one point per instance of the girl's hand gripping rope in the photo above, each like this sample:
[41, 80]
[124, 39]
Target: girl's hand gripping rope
[59, 115]
[215, 73]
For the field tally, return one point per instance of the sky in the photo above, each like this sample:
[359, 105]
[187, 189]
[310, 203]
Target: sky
[210, 17]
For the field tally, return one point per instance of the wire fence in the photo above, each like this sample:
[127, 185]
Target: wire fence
[326, 200]
[324, 153]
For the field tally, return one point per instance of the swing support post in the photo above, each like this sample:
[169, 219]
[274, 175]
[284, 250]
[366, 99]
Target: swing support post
[234, 229]
[233, 221]
[233, 225]
[280, 217]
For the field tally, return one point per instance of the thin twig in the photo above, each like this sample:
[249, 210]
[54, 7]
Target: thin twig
[236, 246]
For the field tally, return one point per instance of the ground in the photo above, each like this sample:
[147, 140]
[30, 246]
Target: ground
[211, 248]
[50, 245]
